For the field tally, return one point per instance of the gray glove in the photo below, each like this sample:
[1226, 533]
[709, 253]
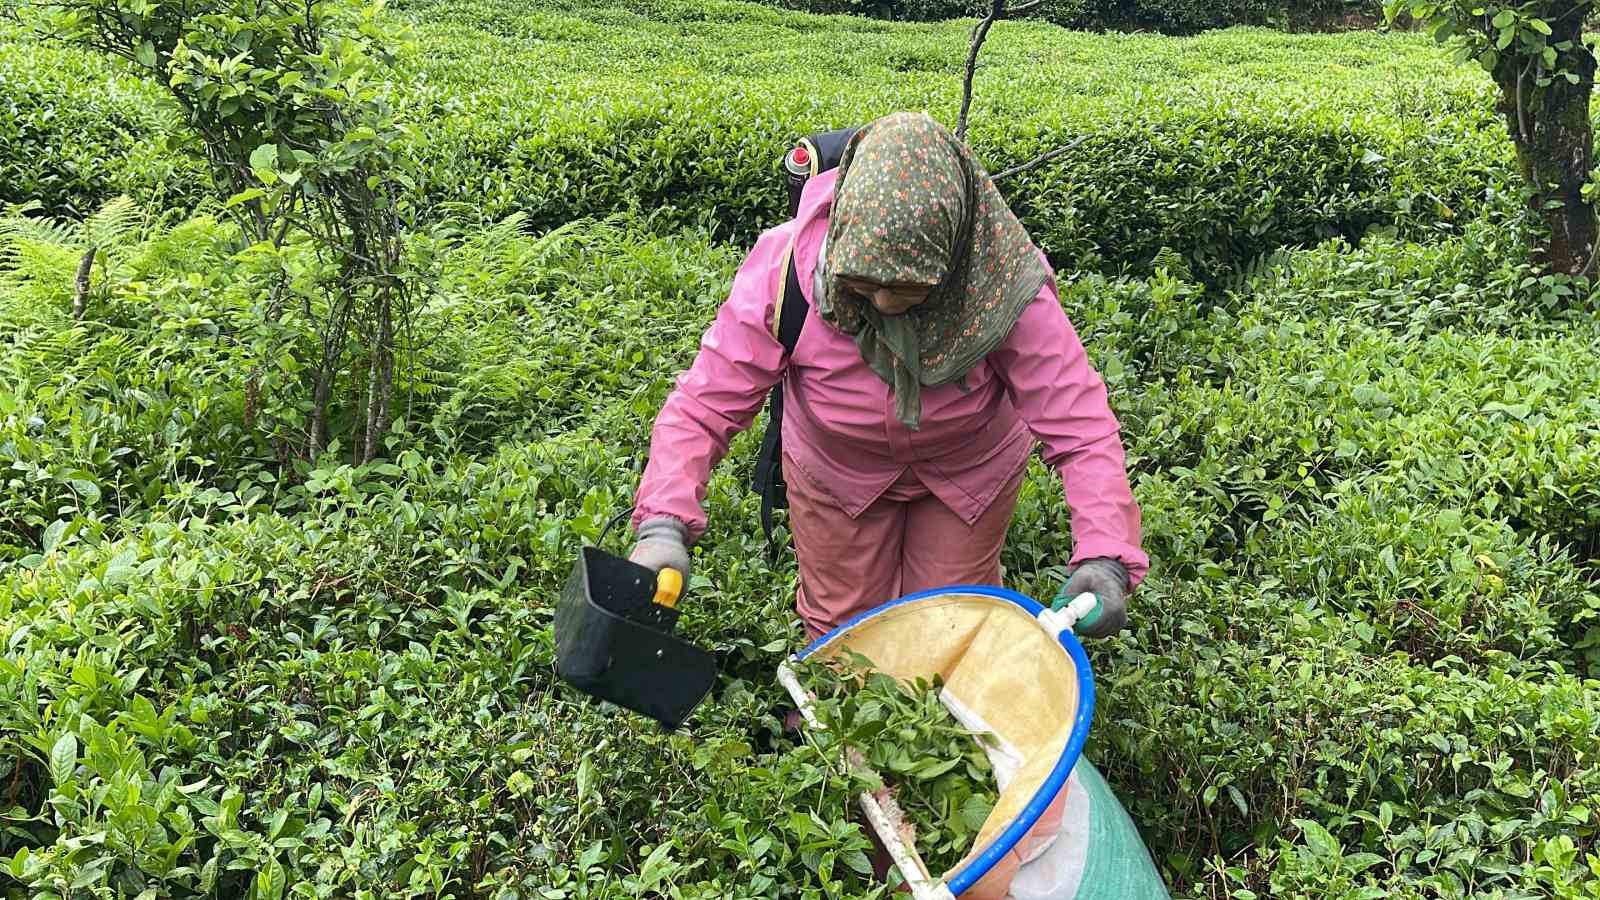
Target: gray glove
[663, 544]
[1108, 580]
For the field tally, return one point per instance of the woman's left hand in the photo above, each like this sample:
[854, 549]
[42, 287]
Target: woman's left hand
[1108, 580]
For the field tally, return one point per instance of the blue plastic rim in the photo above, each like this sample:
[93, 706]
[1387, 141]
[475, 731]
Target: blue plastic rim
[973, 872]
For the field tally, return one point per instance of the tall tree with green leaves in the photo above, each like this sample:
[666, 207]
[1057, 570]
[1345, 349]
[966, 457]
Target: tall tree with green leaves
[1535, 53]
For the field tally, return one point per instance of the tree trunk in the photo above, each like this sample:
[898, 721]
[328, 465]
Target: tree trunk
[371, 427]
[252, 401]
[381, 382]
[333, 340]
[319, 412]
[1554, 139]
[358, 423]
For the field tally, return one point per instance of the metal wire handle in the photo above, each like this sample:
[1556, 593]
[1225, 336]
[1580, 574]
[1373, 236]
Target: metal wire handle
[601, 542]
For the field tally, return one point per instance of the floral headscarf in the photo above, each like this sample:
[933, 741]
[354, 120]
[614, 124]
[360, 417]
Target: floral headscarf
[912, 206]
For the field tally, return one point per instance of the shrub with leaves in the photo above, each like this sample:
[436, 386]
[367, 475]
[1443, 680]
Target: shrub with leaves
[76, 131]
[1544, 69]
[1376, 544]
[289, 101]
[1220, 148]
[1170, 16]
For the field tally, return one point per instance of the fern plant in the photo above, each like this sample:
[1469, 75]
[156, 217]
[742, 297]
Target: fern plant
[51, 262]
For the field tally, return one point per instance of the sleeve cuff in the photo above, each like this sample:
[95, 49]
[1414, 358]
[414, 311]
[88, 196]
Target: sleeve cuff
[693, 527]
[1132, 558]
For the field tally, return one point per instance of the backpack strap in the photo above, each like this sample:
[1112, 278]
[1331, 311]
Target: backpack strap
[788, 319]
[789, 313]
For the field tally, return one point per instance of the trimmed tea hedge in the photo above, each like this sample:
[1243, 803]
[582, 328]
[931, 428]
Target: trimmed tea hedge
[73, 134]
[1172, 16]
[1363, 664]
[1220, 148]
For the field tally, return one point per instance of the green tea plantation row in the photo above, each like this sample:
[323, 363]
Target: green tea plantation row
[1360, 670]
[1364, 665]
[1221, 148]
[1166, 16]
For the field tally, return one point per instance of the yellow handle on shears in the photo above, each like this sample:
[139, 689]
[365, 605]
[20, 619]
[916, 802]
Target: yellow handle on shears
[669, 587]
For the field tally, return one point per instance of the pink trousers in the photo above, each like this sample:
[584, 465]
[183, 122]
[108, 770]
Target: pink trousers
[907, 541]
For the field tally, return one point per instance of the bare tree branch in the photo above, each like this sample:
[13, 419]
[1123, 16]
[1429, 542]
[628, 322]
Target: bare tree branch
[1041, 159]
[1021, 8]
[1594, 254]
[1522, 114]
[980, 31]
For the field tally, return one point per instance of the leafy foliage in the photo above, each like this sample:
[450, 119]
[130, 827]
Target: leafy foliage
[297, 127]
[1169, 16]
[937, 770]
[1364, 665]
[73, 134]
[1221, 148]
[1538, 57]
[1280, 668]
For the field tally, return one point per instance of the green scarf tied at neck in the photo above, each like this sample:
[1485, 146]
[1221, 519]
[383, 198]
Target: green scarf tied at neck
[912, 207]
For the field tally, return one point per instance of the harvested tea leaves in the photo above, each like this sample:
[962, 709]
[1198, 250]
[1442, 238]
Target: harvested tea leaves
[938, 770]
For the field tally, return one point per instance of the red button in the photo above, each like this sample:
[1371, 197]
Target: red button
[801, 157]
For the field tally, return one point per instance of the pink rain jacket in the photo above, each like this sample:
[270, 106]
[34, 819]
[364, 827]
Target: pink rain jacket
[839, 424]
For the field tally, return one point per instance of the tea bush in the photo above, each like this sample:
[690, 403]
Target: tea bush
[340, 676]
[1188, 16]
[1259, 715]
[310, 698]
[1171, 16]
[1365, 663]
[1220, 149]
[73, 134]
[103, 419]
[698, 101]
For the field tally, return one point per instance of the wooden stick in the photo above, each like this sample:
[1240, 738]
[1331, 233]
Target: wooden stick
[1041, 159]
[997, 8]
[80, 298]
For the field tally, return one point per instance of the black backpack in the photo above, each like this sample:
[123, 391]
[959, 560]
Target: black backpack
[811, 156]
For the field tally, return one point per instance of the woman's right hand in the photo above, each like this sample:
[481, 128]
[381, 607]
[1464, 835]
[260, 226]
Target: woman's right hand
[662, 544]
